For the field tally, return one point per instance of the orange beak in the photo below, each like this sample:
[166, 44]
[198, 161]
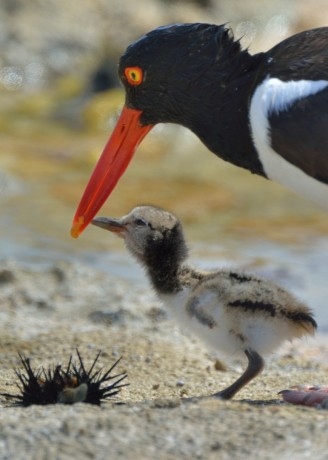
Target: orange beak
[117, 154]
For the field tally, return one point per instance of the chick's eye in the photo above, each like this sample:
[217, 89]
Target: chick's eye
[134, 75]
[140, 222]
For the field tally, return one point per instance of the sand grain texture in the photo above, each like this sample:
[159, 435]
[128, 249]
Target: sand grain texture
[46, 314]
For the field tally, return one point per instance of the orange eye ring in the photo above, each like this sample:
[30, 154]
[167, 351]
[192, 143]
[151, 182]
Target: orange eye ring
[134, 75]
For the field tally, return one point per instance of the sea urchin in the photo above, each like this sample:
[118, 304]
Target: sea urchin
[67, 386]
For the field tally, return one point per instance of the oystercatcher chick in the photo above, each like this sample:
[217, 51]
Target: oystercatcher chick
[265, 112]
[234, 312]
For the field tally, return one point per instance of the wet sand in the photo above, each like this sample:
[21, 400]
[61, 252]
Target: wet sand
[46, 314]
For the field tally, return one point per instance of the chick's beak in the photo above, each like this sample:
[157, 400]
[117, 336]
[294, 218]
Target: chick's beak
[108, 223]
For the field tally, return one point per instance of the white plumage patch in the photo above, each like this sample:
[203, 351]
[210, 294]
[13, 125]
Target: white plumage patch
[236, 329]
[218, 338]
[274, 96]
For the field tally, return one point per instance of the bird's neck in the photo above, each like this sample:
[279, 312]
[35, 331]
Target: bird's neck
[223, 122]
[168, 278]
[164, 278]
[163, 260]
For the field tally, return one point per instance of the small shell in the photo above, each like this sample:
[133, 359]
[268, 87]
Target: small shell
[73, 395]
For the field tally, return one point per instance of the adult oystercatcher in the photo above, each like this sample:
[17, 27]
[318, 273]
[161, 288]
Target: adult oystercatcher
[234, 312]
[265, 112]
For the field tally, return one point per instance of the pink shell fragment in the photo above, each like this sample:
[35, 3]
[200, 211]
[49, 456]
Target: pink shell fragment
[306, 395]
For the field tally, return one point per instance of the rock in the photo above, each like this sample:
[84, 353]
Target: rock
[6, 276]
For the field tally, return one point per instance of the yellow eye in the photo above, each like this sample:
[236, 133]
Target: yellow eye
[133, 75]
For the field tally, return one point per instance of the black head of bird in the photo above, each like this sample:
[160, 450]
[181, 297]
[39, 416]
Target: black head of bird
[264, 112]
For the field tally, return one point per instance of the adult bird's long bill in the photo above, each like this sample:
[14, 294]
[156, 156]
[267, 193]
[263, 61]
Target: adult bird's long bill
[116, 156]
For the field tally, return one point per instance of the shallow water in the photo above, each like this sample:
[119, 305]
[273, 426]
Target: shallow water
[230, 217]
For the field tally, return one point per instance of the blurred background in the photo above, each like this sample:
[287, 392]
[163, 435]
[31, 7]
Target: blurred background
[59, 99]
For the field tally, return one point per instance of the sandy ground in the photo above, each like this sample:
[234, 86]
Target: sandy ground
[46, 314]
